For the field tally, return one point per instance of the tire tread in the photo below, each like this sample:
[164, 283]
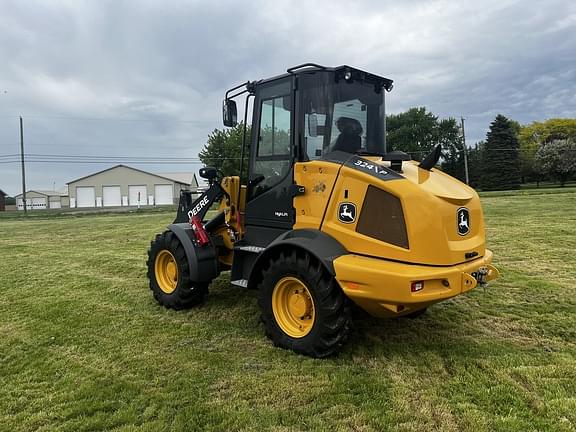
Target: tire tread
[187, 293]
[333, 312]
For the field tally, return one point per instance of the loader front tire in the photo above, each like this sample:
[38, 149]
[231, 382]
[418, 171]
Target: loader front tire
[303, 308]
[169, 274]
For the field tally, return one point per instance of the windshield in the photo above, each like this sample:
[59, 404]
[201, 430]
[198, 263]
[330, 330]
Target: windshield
[344, 116]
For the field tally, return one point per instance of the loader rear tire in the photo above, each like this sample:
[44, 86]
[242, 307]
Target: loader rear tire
[303, 307]
[169, 274]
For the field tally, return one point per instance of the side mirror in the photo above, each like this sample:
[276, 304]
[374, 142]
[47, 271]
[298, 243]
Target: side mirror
[208, 173]
[312, 125]
[229, 113]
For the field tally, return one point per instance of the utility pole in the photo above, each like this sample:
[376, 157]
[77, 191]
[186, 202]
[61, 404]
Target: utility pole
[23, 167]
[465, 151]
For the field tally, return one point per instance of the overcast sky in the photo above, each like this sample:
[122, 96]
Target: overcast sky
[146, 78]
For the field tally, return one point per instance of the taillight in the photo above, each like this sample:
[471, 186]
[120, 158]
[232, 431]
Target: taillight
[417, 286]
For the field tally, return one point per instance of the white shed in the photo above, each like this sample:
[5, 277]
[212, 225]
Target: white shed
[38, 199]
[124, 186]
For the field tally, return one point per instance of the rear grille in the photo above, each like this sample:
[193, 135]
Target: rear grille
[382, 218]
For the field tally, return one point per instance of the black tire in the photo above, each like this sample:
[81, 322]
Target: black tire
[186, 293]
[415, 314]
[332, 311]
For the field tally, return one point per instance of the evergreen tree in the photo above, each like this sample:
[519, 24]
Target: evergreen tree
[475, 159]
[453, 163]
[501, 161]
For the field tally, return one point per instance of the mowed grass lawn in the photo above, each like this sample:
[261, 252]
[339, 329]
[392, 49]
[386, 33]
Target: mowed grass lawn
[83, 346]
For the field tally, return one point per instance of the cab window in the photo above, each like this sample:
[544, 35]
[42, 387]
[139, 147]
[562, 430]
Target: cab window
[272, 161]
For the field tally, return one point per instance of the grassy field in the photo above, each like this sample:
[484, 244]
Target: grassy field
[83, 346]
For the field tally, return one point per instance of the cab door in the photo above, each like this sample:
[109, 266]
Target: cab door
[269, 200]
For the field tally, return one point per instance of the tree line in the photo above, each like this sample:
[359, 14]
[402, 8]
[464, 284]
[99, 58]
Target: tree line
[510, 155]
[513, 154]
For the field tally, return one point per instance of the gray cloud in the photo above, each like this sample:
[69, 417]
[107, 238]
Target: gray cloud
[144, 78]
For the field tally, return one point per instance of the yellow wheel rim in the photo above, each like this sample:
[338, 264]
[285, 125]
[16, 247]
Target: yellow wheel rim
[166, 270]
[293, 307]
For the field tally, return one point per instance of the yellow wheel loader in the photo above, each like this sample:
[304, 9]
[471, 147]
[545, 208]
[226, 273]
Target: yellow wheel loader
[326, 219]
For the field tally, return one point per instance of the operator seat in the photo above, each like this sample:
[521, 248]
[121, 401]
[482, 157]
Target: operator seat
[350, 138]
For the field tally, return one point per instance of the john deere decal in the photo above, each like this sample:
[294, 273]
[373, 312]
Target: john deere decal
[463, 219]
[347, 212]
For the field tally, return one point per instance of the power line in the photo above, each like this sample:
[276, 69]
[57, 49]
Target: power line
[64, 157]
[115, 158]
[110, 119]
[59, 158]
[174, 161]
[149, 160]
[100, 157]
[112, 162]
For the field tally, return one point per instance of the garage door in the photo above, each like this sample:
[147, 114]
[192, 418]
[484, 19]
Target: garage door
[38, 203]
[111, 196]
[163, 194]
[137, 195]
[85, 196]
[20, 203]
[55, 204]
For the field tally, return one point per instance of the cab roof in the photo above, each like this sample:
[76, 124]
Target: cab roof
[339, 71]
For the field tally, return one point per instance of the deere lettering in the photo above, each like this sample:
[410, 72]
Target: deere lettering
[198, 207]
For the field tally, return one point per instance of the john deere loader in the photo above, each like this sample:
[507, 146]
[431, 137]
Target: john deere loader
[326, 219]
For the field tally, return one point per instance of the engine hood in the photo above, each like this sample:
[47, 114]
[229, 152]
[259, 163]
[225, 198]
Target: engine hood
[437, 183]
[442, 217]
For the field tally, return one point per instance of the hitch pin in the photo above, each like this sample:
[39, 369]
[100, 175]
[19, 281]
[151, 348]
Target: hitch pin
[482, 273]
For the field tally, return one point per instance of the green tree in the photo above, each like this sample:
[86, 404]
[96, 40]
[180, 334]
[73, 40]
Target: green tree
[273, 141]
[449, 135]
[531, 137]
[223, 149]
[417, 131]
[501, 159]
[453, 163]
[516, 127]
[557, 159]
[475, 160]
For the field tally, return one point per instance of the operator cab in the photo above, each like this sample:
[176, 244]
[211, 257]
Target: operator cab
[311, 112]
